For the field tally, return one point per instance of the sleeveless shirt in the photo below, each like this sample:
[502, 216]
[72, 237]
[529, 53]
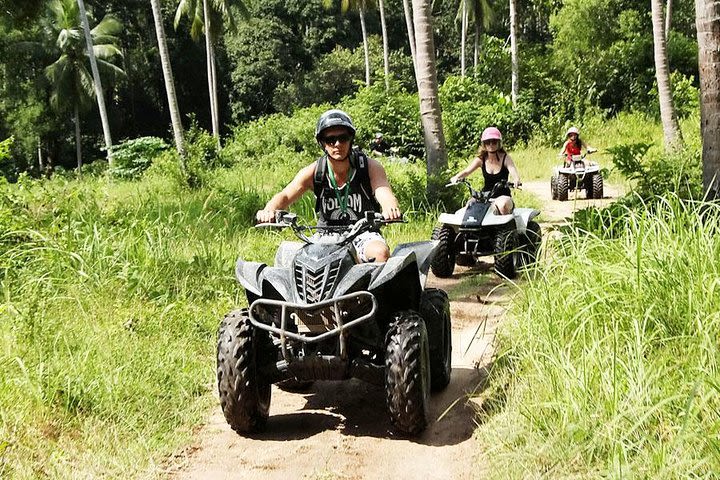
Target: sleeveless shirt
[360, 198]
[492, 178]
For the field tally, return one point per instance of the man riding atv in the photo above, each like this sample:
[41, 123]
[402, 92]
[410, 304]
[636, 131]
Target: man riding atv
[347, 183]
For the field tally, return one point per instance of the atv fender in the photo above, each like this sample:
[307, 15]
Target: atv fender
[492, 219]
[393, 267]
[249, 274]
[278, 279]
[523, 217]
[424, 253]
[286, 252]
[452, 219]
[355, 274]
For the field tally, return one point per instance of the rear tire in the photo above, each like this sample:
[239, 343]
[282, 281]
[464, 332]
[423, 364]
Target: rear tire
[553, 187]
[563, 184]
[465, 260]
[531, 243]
[435, 310]
[597, 186]
[244, 396]
[506, 254]
[407, 373]
[443, 263]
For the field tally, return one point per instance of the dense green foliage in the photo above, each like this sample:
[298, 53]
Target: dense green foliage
[294, 54]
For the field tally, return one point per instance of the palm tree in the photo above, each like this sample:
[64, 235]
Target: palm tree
[72, 86]
[208, 17]
[515, 76]
[482, 15]
[707, 22]
[668, 18]
[169, 82]
[97, 81]
[386, 50]
[430, 114]
[411, 33]
[361, 6]
[671, 128]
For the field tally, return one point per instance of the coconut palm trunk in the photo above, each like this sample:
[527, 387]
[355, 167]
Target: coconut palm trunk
[366, 47]
[430, 113]
[707, 22]
[671, 128]
[96, 80]
[463, 36]
[668, 18]
[208, 58]
[515, 76]
[169, 82]
[386, 51]
[78, 146]
[411, 33]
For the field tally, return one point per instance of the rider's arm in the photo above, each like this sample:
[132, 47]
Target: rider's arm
[382, 190]
[302, 182]
[564, 148]
[514, 173]
[474, 164]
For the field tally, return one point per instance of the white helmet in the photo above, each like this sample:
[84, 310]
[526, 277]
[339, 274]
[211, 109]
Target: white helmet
[572, 130]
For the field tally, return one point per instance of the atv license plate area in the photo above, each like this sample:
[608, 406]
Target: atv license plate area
[289, 313]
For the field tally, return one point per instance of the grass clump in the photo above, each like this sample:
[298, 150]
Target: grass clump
[610, 366]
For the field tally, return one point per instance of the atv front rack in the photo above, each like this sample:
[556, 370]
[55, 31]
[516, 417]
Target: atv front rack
[340, 326]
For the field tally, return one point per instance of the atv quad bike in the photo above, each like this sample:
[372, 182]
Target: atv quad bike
[476, 230]
[576, 175]
[320, 314]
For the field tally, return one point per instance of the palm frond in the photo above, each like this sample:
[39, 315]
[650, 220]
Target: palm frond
[107, 52]
[108, 26]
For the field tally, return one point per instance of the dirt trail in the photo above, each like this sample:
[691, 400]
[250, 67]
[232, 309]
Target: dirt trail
[340, 430]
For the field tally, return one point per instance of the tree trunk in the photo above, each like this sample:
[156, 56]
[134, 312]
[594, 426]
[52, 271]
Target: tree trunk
[668, 19]
[40, 159]
[707, 23]
[215, 102]
[430, 113]
[463, 36]
[78, 147]
[209, 60]
[411, 33]
[515, 78]
[477, 43]
[386, 50]
[97, 83]
[169, 82]
[671, 129]
[365, 45]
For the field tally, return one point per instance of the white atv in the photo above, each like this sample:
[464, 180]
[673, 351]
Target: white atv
[477, 231]
[577, 175]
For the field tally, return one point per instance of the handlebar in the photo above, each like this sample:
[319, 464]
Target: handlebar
[372, 221]
[483, 195]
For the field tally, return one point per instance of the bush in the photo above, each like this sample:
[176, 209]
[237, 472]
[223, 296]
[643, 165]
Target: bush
[132, 157]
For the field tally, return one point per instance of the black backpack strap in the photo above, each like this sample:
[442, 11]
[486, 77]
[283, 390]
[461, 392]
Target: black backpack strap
[320, 171]
[361, 164]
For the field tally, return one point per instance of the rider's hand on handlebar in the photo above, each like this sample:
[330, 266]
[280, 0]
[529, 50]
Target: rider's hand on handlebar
[392, 213]
[265, 216]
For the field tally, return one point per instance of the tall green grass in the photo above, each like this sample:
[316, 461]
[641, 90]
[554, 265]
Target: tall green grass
[610, 364]
[110, 297]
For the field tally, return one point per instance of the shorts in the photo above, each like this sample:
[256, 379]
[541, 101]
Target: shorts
[361, 241]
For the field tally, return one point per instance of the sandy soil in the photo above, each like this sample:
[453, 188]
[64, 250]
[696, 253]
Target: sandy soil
[340, 430]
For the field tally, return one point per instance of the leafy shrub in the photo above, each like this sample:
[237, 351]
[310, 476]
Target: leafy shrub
[686, 97]
[132, 157]
[679, 172]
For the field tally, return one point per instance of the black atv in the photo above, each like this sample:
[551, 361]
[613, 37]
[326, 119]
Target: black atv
[320, 314]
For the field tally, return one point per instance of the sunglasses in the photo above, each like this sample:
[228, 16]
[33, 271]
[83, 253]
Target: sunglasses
[490, 142]
[333, 139]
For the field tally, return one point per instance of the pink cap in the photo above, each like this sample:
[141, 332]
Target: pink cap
[491, 133]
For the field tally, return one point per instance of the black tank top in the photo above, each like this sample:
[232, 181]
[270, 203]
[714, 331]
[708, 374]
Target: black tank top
[492, 178]
[360, 198]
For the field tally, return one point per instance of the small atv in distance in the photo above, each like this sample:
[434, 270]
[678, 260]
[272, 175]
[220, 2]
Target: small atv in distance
[320, 314]
[576, 175]
[476, 230]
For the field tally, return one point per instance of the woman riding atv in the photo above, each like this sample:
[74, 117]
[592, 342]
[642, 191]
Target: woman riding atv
[496, 165]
